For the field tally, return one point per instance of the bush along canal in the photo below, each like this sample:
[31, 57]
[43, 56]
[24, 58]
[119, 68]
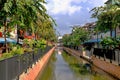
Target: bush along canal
[63, 66]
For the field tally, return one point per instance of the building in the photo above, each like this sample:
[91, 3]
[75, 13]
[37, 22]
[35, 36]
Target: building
[90, 27]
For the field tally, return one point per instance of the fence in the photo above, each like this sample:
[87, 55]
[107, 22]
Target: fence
[11, 68]
[112, 55]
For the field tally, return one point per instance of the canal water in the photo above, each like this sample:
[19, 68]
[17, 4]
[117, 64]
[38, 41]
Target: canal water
[63, 66]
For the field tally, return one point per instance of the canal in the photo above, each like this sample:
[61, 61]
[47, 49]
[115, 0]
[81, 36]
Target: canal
[63, 66]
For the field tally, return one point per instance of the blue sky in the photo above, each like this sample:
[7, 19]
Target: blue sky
[71, 12]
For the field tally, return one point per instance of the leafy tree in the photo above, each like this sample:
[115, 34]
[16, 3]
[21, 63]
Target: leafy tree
[80, 35]
[66, 40]
[23, 14]
[45, 29]
[77, 37]
[106, 15]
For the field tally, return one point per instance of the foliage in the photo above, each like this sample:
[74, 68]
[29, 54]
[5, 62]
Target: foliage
[30, 44]
[105, 21]
[41, 44]
[108, 17]
[78, 36]
[6, 55]
[35, 50]
[16, 50]
[27, 49]
[47, 31]
[66, 40]
[110, 43]
[26, 14]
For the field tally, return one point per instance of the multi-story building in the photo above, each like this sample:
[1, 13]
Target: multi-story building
[90, 27]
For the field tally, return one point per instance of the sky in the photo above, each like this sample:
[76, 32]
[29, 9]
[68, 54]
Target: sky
[71, 12]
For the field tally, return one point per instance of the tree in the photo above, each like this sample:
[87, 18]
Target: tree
[44, 28]
[106, 15]
[66, 40]
[23, 13]
[77, 37]
[80, 35]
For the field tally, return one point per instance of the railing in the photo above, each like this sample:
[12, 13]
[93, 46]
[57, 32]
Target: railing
[111, 55]
[11, 68]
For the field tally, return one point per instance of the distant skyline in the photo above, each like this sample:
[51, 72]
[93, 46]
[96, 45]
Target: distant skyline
[71, 12]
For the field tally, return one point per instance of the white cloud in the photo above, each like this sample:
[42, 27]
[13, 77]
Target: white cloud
[97, 2]
[88, 8]
[67, 7]
[63, 6]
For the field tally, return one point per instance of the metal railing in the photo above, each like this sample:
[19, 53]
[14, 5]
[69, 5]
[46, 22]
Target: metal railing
[111, 55]
[11, 68]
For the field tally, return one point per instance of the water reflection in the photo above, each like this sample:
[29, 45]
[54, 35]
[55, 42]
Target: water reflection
[78, 66]
[48, 72]
[63, 66]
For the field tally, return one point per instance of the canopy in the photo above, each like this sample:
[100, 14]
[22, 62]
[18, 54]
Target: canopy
[9, 40]
[93, 41]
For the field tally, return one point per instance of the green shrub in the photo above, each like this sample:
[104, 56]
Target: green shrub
[6, 55]
[28, 49]
[17, 51]
[110, 43]
[14, 50]
[41, 44]
[35, 50]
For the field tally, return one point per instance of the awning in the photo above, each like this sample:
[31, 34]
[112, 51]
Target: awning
[92, 41]
[9, 40]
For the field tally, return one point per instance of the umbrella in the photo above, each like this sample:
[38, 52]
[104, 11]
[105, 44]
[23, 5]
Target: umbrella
[9, 40]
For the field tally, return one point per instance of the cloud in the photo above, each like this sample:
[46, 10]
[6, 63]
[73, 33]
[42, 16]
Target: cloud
[97, 3]
[71, 12]
[63, 7]
[69, 7]
[88, 8]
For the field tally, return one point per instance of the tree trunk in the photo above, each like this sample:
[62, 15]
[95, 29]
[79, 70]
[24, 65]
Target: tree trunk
[115, 32]
[111, 32]
[5, 27]
[97, 41]
[17, 35]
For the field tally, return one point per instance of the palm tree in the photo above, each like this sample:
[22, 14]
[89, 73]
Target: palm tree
[106, 16]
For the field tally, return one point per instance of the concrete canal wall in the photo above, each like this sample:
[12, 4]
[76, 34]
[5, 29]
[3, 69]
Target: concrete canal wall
[111, 69]
[33, 72]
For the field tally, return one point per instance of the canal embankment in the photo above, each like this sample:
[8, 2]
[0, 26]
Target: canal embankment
[33, 72]
[111, 69]
[76, 53]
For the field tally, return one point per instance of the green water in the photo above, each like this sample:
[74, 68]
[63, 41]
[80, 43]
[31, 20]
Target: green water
[66, 67]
